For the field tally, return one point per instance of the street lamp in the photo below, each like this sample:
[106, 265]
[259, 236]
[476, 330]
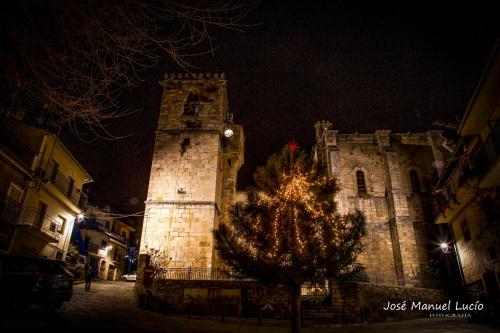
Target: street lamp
[445, 247]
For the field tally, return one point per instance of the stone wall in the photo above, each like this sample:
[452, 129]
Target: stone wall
[236, 298]
[193, 173]
[397, 240]
[355, 302]
[352, 302]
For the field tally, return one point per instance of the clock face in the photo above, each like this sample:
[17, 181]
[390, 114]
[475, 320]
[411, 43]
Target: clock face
[228, 132]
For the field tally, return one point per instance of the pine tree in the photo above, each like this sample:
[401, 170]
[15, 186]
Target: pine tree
[289, 231]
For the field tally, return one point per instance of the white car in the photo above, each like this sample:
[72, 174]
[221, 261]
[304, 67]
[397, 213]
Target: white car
[129, 277]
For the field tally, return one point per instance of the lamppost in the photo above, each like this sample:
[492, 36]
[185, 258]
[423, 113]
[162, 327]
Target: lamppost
[445, 248]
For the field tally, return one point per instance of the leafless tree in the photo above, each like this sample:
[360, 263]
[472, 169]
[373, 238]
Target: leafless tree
[69, 60]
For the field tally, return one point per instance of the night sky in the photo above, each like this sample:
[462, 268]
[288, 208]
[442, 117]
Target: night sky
[362, 68]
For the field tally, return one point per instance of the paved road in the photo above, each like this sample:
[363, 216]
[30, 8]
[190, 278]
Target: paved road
[111, 307]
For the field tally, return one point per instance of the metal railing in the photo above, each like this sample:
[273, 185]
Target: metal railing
[49, 171]
[30, 216]
[214, 274]
[475, 163]
[209, 274]
[116, 236]
[34, 218]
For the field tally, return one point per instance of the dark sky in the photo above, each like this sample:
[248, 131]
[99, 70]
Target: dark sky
[362, 68]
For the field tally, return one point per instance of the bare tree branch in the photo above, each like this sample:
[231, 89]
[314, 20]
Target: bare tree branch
[68, 61]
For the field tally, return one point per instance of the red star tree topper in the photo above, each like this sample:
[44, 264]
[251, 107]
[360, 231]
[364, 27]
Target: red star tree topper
[293, 146]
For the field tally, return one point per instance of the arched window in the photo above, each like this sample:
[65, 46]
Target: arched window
[192, 105]
[360, 180]
[415, 184]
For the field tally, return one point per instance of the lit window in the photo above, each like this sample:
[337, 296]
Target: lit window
[415, 184]
[360, 179]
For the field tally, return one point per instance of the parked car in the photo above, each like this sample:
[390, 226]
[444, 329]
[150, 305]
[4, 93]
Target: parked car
[28, 280]
[129, 277]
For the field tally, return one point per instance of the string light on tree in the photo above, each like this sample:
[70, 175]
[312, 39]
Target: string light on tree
[289, 230]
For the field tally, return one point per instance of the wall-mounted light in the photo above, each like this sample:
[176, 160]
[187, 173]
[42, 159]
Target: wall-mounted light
[108, 248]
[228, 132]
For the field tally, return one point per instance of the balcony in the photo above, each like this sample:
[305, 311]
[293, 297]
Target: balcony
[474, 165]
[49, 172]
[117, 237]
[33, 218]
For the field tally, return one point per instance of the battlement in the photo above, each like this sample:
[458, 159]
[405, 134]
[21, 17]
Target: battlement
[325, 124]
[194, 76]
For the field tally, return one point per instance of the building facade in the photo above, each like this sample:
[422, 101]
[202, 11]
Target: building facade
[41, 188]
[469, 189]
[390, 177]
[197, 154]
[106, 239]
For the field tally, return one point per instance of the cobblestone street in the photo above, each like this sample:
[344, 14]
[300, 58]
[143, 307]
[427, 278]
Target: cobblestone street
[111, 307]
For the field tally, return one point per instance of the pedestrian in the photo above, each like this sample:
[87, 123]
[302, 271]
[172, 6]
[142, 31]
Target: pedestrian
[89, 273]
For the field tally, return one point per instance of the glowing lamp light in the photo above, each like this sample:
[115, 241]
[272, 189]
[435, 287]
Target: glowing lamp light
[228, 132]
[444, 247]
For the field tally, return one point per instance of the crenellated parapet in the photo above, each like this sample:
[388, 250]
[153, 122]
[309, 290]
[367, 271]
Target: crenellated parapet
[195, 76]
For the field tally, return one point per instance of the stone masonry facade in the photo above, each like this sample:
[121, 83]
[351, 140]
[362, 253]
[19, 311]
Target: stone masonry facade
[389, 176]
[193, 182]
[193, 173]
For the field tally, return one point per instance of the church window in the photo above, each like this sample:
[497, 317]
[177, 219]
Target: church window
[360, 179]
[192, 105]
[415, 184]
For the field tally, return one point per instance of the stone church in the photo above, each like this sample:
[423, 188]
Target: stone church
[198, 152]
[390, 177]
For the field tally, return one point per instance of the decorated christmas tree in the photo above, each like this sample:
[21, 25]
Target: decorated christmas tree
[289, 230]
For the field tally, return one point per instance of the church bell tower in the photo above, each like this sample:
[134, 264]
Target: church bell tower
[197, 154]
